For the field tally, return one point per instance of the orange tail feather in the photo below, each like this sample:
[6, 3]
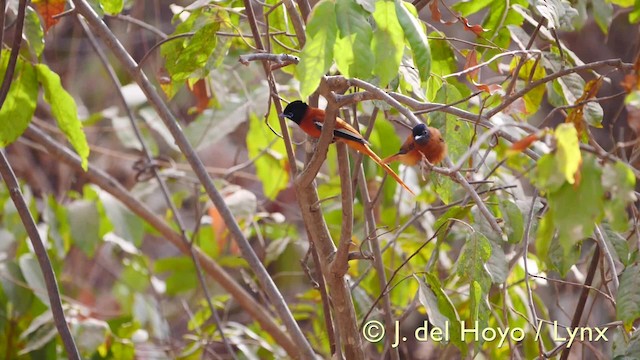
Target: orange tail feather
[366, 150]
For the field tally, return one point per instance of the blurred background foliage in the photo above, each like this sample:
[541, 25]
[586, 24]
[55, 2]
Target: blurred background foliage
[562, 186]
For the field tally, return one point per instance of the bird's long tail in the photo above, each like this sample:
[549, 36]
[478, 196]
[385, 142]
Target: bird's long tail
[391, 159]
[367, 150]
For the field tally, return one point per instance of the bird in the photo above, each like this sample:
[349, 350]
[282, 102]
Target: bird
[311, 120]
[424, 142]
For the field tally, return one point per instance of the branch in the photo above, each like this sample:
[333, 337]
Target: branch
[457, 177]
[577, 315]
[496, 57]
[167, 117]
[53, 293]
[307, 176]
[607, 255]
[107, 183]
[340, 264]
[377, 261]
[15, 50]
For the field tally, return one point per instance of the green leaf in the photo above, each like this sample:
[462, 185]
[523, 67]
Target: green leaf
[533, 98]
[125, 224]
[415, 35]
[84, 224]
[568, 151]
[572, 86]
[466, 8]
[112, 7]
[443, 59]
[559, 13]
[619, 182]
[622, 3]
[602, 13]
[33, 275]
[388, 44]
[352, 51]
[19, 297]
[269, 154]
[195, 53]
[634, 16]
[547, 177]
[576, 209]
[615, 241]
[623, 350]
[64, 110]
[182, 276]
[317, 54]
[497, 266]
[628, 298]
[20, 104]
[514, 219]
[33, 31]
[471, 263]
[442, 313]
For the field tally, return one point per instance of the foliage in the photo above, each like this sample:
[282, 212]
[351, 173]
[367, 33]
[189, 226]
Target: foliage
[523, 114]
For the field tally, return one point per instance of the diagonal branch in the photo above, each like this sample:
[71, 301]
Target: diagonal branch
[113, 187]
[167, 117]
[41, 254]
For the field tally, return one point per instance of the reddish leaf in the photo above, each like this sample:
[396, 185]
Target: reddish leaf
[522, 144]
[48, 9]
[220, 230]
[630, 81]
[476, 29]
[471, 61]
[488, 88]
[200, 91]
[435, 12]
[576, 115]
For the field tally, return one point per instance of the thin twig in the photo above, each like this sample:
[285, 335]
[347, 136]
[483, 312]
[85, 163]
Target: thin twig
[15, 50]
[525, 259]
[577, 315]
[340, 264]
[377, 261]
[53, 292]
[607, 255]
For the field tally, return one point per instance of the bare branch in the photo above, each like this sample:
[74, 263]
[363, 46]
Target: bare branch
[53, 292]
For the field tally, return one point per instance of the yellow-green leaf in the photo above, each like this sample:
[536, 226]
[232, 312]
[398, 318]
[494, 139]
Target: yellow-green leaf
[64, 110]
[388, 44]
[317, 55]
[415, 35]
[352, 50]
[269, 155]
[20, 104]
[568, 153]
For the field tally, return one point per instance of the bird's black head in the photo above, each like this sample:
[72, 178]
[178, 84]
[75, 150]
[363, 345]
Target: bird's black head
[421, 134]
[295, 111]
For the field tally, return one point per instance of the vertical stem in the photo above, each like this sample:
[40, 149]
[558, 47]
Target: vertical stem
[15, 49]
[53, 293]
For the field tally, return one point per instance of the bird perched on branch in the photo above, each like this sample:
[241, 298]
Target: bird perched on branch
[311, 120]
[424, 142]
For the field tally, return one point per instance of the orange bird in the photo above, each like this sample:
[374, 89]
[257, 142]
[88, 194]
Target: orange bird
[311, 120]
[424, 142]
